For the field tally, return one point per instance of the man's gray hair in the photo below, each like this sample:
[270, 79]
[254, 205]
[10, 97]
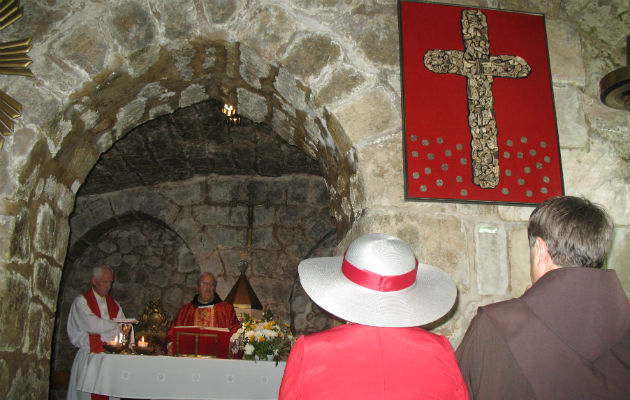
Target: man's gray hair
[97, 271]
[210, 274]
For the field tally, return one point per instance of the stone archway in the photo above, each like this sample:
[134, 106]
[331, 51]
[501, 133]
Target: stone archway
[104, 69]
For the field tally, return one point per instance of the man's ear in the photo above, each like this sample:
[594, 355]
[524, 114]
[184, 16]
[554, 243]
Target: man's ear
[544, 261]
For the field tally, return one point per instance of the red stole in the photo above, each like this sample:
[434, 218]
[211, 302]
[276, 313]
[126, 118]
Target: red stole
[96, 345]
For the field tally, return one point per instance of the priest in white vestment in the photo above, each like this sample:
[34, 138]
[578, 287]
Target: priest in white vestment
[90, 323]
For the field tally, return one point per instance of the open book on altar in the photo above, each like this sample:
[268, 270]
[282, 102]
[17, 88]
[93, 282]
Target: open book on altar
[201, 341]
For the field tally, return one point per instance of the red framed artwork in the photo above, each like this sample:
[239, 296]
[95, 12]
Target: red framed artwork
[478, 114]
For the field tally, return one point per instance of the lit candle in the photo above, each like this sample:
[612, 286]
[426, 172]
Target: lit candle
[114, 342]
[142, 343]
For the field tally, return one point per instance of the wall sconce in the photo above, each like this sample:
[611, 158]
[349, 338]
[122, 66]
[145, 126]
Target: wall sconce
[231, 117]
[614, 87]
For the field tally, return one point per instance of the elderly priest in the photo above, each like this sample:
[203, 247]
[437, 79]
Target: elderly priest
[90, 323]
[206, 310]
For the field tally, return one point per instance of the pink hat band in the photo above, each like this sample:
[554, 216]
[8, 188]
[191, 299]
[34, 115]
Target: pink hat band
[374, 281]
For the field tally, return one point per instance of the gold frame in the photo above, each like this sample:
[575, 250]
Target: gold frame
[196, 335]
[13, 61]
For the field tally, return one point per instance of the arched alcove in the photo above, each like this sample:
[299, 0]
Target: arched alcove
[197, 177]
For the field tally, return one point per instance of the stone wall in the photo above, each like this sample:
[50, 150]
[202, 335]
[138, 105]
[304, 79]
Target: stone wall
[322, 74]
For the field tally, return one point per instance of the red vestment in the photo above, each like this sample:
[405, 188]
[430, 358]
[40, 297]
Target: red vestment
[96, 345]
[221, 315]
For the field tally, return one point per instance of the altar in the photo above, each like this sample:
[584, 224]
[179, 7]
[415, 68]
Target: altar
[164, 377]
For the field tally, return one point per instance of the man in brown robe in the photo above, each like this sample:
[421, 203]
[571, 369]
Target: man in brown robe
[568, 336]
[206, 309]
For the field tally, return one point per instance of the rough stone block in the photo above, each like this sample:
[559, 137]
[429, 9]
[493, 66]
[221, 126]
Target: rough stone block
[238, 216]
[4, 377]
[45, 230]
[175, 298]
[610, 124]
[253, 68]
[29, 381]
[133, 26]
[371, 113]
[317, 229]
[64, 199]
[264, 215]
[268, 31]
[600, 177]
[263, 266]
[185, 193]
[178, 19]
[298, 192]
[376, 35]
[113, 260]
[15, 242]
[308, 56]
[565, 53]
[319, 193]
[515, 213]
[267, 191]
[130, 115]
[251, 105]
[262, 237]
[33, 328]
[518, 248]
[84, 46]
[282, 126]
[13, 309]
[342, 80]
[491, 259]
[572, 127]
[210, 215]
[60, 243]
[99, 209]
[191, 95]
[131, 259]
[46, 282]
[378, 165]
[619, 256]
[186, 261]
[287, 87]
[229, 236]
[159, 277]
[222, 191]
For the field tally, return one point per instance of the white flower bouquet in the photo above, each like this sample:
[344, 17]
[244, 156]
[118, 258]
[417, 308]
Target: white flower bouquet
[262, 339]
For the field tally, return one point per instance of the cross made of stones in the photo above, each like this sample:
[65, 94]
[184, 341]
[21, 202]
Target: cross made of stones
[479, 68]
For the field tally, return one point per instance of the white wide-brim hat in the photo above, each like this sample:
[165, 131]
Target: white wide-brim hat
[376, 283]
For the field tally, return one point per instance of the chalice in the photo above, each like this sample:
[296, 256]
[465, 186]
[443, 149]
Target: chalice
[125, 329]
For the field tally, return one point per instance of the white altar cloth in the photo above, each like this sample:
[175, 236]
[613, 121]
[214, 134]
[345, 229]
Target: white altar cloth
[163, 377]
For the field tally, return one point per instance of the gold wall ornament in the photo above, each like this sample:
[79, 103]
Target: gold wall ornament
[13, 61]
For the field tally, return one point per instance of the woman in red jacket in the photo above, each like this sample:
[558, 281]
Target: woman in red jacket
[381, 353]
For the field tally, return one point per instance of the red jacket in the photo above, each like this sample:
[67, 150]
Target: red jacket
[365, 362]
